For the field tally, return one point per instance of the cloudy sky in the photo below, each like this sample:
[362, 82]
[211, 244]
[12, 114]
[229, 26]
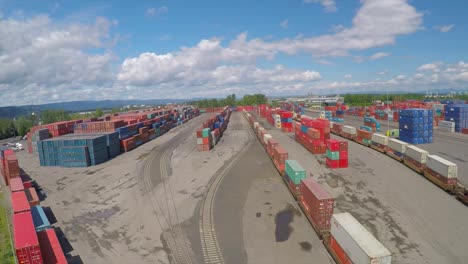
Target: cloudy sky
[52, 51]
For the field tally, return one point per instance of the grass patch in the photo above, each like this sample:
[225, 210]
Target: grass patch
[7, 256]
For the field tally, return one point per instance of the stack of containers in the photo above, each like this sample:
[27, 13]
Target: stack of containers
[10, 166]
[336, 153]
[204, 140]
[19, 202]
[312, 133]
[74, 150]
[286, 121]
[271, 146]
[34, 137]
[442, 170]
[294, 174]
[31, 196]
[364, 137]
[416, 126]
[415, 158]
[98, 127]
[279, 158]
[379, 142]
[16, 185]
[372, 123]
[336, 128]
[317, 203]
[396, 149]
[25, 239]
[352, 243]
[457, 114]
[277, 120]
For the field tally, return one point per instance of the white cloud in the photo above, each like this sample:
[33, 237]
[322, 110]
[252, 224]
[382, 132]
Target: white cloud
[284, 23]
[378, 55]
[418, 76]
[400, 77]
[156, 11]
[324, 62]
[383, 72]
[429, 67]
[40, 59]
[444, 29]
[348, 76]
[329, 5]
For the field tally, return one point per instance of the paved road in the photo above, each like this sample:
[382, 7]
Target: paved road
[450, 146]
[257, 219]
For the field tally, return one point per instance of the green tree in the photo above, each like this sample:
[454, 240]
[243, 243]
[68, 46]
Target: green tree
[23, 125]
[98, 113]
[50, 116]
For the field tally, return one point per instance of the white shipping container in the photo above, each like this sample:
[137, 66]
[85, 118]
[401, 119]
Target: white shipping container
[260, 129]
[447, 129]
[397, 145]
[358, 243]
[446, 124]
[380, 139]
[350, 130]
[331, 124]
[266, 137]
[199, 141]
[256, 124]
[442, 166]
[277, 117]
[419, 155]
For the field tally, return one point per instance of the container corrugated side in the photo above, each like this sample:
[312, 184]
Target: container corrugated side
[419, 155]
[266, 137]
[41, 222]
[442, 166]
[397, 145]
[50, 247]
[350, 130]
[358, 243]
[380, 139]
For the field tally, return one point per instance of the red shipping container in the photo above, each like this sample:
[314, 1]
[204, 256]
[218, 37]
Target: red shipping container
[317, 202]
[313, 133]
[332, 144]
[464, 130]
[199, 134]
[343, 145]
[343, 154]
[334, 164]
[25, 239]
[343, 163]
[27, 181]
[16, 185]
[19, 202]
[339, 252]
[51, 251]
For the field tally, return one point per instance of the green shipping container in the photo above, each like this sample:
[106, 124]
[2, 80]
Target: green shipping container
[333, 155]
[206, 132]
[295, 171]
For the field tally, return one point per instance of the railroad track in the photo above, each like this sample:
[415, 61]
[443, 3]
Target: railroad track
[165, 210]
[212, 253]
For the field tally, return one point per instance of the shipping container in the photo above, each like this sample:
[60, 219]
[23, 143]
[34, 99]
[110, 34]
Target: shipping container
[25, 239]
[317, 203]
[31, 195]
[416, 154]
[16, 185]
[397, 145]
[19, 202]
[380, 139]
[350, 130]
[358, 243]
[294, 171]
[442, 166]
[41, 222]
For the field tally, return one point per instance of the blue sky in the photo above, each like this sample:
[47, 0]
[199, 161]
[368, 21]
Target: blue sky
[71, 50]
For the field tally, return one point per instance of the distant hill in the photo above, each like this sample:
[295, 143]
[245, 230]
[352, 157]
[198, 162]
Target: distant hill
[76, 106]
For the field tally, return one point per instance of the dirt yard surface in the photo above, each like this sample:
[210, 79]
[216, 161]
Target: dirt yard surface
[413, 218]
[109, 213]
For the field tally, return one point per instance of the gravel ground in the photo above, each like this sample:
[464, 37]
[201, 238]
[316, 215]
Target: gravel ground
[414, 219]
[104, 211]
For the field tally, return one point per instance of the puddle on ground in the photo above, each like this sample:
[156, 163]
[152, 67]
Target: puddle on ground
[258, 214]
[305, 245]
[283, 228]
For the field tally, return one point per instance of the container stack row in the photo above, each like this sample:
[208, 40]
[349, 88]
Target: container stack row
[372, 123]
[312, 133]
[286, 121]
[458, 114]
[212, 130]
[34, 239]
[336, 153]
[345, 238]
[416, 126]
[9, 165]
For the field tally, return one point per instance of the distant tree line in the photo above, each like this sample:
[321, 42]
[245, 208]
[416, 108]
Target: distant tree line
[230, 100]
[367, 99]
